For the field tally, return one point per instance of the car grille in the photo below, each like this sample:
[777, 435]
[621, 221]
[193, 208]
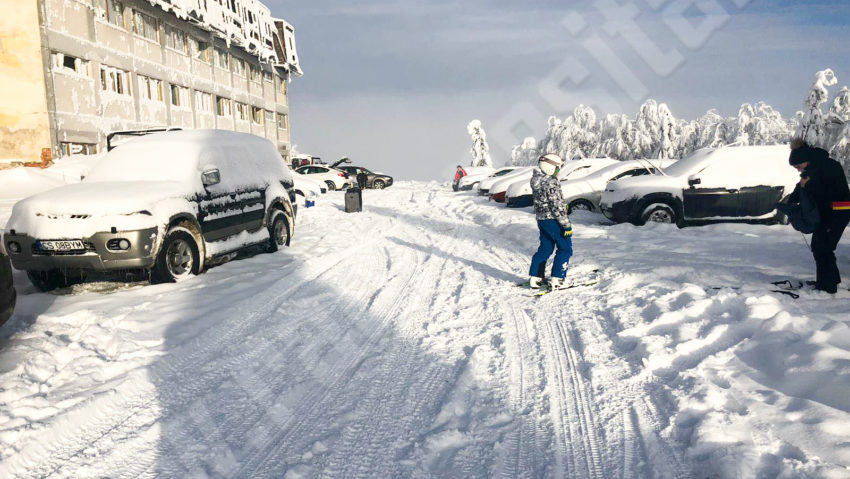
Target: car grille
[89, 249]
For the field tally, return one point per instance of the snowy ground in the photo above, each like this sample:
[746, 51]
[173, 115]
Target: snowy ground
[392, 343]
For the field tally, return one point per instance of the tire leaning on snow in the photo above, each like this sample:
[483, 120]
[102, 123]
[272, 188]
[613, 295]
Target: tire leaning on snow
[172, 264]
[659, 213]
[278, 231]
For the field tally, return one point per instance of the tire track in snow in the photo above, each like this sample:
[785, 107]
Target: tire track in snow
[312, 407]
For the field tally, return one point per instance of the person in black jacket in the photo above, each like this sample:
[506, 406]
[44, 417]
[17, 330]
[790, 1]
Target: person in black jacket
[824, 180]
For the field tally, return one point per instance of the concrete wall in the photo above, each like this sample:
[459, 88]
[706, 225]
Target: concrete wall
[24, 121]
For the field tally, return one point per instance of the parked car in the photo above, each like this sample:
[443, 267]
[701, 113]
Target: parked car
[742, 183]
[169, 203]
[488, 184]
[377, 181]
[519, 194]
[7, 288]
[304, 186]
[470, 182]
[334, 179]
[585, 193]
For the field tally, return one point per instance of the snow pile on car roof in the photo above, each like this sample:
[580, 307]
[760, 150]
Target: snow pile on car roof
[243, 160]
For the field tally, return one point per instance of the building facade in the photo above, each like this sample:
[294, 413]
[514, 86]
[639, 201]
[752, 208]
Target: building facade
[77, 70]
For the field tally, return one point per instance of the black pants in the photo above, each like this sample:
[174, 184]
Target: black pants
[824, 242]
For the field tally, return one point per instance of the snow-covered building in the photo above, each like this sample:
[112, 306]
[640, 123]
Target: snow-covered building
[72, 71]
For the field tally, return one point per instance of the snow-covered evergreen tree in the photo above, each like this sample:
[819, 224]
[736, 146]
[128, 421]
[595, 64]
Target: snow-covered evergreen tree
[480, 149]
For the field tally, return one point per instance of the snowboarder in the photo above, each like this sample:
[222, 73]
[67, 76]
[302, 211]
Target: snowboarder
[362, 179]
[460, 173]
[824, 180]
[553, 223]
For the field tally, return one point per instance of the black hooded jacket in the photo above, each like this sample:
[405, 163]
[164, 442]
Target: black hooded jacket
[827, 182]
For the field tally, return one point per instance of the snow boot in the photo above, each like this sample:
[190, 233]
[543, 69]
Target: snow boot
[535, 283]
[556, 283]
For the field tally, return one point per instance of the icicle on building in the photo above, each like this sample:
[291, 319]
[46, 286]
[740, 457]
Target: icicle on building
[72, 71]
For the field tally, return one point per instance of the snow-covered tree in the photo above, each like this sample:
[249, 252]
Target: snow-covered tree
[480, 149]
[813, 127]
[526, 153]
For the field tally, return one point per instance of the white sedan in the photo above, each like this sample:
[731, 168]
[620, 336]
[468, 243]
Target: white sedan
[307, 187]
[333, 178]
[518, 193]
[471, 181]
[586, 193]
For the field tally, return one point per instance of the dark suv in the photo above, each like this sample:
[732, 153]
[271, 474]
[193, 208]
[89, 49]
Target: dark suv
[7, 289]
[169, 203]
[377, 181]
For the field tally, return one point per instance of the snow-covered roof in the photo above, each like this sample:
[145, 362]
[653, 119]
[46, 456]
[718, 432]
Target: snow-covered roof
[245, 23]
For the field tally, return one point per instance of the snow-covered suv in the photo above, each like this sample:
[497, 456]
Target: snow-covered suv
[167, 202]
[7, 288]
[742, 183]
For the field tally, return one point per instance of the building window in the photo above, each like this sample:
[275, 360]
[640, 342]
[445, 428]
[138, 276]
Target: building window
[253, 73]
[180, 96]
[283, 86]
[115, 80]
[257, 115]
[221, 59]
[269, 117]
[241, 111]
[113, 11]
[145, 26]
[69, 148]
[150, 88]
[176, 39]
[200, 50]
[68, 64]
[223, 106]
[268, 77]
[203, 102]
[238, 67]
[282, 121]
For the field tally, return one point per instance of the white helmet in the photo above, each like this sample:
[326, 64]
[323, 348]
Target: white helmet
[550, 164]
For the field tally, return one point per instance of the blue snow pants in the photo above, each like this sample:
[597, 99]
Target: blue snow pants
[551, 235]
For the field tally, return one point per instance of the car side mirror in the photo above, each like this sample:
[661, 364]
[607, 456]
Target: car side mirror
[693, 181]
[211, 177]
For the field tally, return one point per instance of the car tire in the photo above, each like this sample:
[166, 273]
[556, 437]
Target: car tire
[580, 205]
[178, 258]
[659, 213]
[331, 185]
[52, 279]
[278, 231]
[378, 184]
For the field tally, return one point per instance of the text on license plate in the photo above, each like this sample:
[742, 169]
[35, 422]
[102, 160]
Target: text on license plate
[73, 245]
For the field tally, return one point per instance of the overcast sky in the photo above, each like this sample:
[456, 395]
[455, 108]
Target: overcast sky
[392, 84]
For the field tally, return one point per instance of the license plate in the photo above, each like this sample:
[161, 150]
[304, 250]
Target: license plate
[72, 245]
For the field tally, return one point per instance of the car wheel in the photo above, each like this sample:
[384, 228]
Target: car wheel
[331, 185]
[659, 213]
[378, 185]
[278, 231]
[580, 205]
[52, 279]
[178, 257]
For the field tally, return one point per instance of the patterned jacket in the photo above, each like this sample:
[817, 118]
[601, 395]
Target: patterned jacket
[548, 199]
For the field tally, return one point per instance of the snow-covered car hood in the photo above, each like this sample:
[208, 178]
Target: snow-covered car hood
[487, 183]
[82, 209]
[633, 187]
[504, 184]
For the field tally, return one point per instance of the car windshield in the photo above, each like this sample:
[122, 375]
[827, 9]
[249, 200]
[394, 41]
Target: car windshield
[690, 163]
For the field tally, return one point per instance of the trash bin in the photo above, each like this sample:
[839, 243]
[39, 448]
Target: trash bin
[353, 200]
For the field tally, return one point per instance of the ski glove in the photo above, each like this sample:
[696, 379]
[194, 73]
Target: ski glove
[567, 231]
